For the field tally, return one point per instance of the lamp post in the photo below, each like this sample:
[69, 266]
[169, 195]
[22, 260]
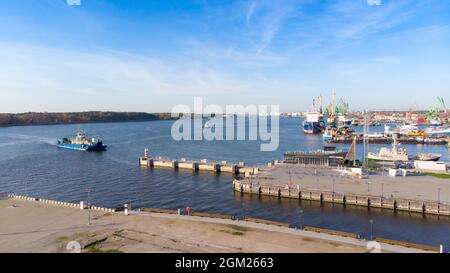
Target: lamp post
[439, 196]
[439, 200]
[371, 229]
[88, 190]
[301, 219]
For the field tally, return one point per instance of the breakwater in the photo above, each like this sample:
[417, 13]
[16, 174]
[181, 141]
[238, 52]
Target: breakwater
[203, 165]
[369, 201]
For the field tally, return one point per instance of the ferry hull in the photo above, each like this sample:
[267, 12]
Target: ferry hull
[85, 148]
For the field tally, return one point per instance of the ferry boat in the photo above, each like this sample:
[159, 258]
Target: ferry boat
[82, 143]
[386, 154]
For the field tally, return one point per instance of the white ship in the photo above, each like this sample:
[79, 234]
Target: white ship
[405, 129]
[386, 154]
[438, 130]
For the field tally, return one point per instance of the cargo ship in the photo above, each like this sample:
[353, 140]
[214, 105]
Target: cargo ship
[82, 143]
[313, 123]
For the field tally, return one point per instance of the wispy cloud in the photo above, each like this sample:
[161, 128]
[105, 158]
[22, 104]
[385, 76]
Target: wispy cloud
[115, 75]
[250, 11]
[276, 14]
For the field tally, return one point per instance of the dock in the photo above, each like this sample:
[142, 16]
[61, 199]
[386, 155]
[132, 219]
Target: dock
[344, 186]
[199, 166]
[369, 201]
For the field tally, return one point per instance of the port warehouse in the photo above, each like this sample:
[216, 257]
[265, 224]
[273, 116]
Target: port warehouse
[425, 207]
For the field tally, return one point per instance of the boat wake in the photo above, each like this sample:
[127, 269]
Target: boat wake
[23, 139]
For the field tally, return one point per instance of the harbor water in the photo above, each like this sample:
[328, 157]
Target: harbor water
[31, 164]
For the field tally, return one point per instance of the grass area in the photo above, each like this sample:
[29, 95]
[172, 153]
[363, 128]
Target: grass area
[236, 230]
[74, 237]
[233, 232]
[439, 175]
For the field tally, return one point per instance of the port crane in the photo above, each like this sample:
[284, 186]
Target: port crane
[433, 115]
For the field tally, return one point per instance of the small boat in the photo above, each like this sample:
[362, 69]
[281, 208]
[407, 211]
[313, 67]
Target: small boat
[405, 129]
[207, 124]
[354, 122]
[386, 154]
[327, 136]
[82, 143]
[427, 157]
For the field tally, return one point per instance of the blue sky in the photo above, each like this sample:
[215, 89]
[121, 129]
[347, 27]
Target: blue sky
[149, 55]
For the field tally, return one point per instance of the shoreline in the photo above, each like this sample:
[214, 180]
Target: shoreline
[30, 222]
[86, 117]
[81, 123]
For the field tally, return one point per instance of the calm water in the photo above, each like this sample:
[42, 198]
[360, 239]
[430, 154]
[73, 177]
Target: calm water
[31, 164]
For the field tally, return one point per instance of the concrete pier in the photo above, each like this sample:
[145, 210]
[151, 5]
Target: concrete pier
[203, 165]
[424, 207]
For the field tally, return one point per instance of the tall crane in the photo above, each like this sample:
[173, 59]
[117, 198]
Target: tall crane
[433, 115]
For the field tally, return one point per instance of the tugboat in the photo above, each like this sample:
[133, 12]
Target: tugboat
[82, 143]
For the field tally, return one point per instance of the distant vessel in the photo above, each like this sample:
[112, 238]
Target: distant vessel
[82, 143]
[405, 129]
[386, 154]
[427, 157]
[327, 136]
[207, 124]
[354, 122]
[439, 130]
[313, 123]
